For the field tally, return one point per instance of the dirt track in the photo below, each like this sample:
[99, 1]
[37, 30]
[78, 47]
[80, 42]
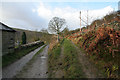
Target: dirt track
[88, 67]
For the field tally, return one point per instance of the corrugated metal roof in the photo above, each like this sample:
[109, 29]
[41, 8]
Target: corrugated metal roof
[6, 28]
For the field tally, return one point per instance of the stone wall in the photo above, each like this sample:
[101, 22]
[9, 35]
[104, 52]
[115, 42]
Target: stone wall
[8, 42]
[30, 45]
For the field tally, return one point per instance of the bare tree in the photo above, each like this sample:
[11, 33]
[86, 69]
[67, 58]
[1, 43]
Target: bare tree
[55, 25]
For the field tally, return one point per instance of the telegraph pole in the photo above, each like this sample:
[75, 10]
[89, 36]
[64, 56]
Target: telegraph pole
[87, 17]
[80, 20]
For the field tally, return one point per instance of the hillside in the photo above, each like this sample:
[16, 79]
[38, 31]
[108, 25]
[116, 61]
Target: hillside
[101, 41]
[32, 35]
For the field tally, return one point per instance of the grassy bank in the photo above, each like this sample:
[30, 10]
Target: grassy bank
[12, 57]
[71, 63]
[53, 58]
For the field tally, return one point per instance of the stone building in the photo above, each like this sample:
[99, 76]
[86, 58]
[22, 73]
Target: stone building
[8, 39]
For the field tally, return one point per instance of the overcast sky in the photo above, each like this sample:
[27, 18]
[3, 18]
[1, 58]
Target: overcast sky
[35, 15]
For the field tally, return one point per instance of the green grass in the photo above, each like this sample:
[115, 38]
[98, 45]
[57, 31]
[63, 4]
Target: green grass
[53, 59]
[12, 57]
[72, 66]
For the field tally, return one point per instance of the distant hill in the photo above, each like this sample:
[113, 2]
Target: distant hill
[31, 35]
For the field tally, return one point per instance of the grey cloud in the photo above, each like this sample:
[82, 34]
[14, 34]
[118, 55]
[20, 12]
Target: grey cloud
[22, 11]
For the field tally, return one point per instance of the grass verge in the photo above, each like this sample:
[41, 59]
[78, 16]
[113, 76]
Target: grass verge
[71, 65]
[12, 57]
[53, 58]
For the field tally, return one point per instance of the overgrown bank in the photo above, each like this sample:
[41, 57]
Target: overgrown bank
[102, 44]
